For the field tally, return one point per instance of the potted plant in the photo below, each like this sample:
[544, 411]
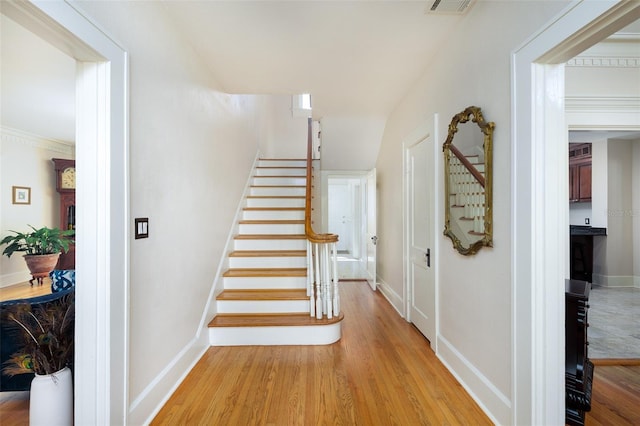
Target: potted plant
[43, 335]
[42, 248]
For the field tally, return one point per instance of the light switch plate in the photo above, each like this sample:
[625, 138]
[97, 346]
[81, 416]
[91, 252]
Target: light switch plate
[142, 227]
[586, 220]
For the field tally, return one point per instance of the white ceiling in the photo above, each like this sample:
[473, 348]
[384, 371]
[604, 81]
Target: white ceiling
[37, 83]
[354, 58]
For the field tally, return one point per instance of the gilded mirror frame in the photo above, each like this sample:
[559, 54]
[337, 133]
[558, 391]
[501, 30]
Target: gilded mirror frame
[476, 184]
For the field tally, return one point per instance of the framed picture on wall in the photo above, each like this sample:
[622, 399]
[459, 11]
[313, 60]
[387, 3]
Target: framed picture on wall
[21, 195]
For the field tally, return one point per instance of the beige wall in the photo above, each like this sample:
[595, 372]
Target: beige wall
[191, 151]
[474, 292]
[25, 160]
[620, 225]
[635, 212]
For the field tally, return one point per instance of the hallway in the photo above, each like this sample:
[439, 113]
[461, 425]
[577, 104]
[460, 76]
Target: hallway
[382, 371]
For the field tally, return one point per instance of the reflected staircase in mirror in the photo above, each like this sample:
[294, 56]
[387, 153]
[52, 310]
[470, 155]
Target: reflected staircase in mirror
[466, 197]
[266, 299]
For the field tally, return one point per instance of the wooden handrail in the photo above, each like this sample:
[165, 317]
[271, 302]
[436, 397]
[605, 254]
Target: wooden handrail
[308, 229]
[476, 174]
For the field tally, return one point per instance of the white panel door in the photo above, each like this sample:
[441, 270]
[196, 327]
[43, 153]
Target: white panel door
[419, 219]
[341, 214]
[372, 237]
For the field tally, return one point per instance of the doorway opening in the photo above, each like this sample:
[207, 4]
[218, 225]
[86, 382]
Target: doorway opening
[349, 212]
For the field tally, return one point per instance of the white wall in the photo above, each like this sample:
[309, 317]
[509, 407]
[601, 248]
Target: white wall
[281, 134]
[351, 143]
[618, 270]
[635, 212]
[25, 160]
[474, 336]
[191, 151]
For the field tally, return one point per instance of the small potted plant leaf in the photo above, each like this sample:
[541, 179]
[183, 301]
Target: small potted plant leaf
[42, 248]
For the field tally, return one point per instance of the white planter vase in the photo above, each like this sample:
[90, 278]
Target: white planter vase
[51, 399]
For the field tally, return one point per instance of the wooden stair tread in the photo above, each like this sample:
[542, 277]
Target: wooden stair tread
[266, 294]
[274, 209]
[280, 176]
[272, 222]
[271, 320]
[283, 159]
[298, 197]
[270, 237]
[268, 253]
[266, 272]
[278, 186]
[281, 167]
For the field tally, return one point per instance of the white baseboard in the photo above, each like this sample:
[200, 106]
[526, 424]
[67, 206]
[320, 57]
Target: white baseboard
[394, 298]
[151, 400]
[493, 402]
[7, 280]
[615, 280]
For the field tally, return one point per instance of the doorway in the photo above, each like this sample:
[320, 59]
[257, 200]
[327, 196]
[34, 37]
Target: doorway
[101, 153]
[539, 211]
[350, 213]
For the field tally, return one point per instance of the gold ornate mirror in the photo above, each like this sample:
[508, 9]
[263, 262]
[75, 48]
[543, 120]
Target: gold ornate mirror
[468, 182]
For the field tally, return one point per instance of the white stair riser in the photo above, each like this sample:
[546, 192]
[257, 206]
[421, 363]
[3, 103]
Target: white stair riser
[270, 244]
[261, 283]
[282, 163]
[268, 262]
[284, 181]
[275, 202]
[277, 191]
[271, 229]
[271, 171]
[273, 214]
[262, 306]
[243, 336]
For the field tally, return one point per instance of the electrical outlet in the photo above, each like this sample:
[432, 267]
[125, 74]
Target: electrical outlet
[586, 220]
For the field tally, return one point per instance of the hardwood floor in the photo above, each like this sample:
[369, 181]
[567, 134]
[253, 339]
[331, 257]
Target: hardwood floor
[25, 290]
[381, 372]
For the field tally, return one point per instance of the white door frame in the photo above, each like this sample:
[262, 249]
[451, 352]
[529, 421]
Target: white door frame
[539, 209]
[102, 194]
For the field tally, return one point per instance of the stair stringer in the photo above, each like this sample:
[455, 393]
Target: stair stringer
[210, 309]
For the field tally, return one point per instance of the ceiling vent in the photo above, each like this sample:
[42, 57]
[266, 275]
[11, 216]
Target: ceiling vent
[448, 6]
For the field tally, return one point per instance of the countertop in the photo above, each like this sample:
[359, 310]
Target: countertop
[586, 230]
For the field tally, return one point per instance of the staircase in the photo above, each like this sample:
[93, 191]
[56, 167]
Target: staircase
[467, 200]
[265, 299]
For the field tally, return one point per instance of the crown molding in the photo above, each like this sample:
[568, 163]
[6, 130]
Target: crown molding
[602, 103]
[8, 134]
[604, 62]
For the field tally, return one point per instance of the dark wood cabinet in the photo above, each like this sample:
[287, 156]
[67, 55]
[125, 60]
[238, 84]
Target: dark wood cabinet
[66, 186]
[579, 172]
[578, 367]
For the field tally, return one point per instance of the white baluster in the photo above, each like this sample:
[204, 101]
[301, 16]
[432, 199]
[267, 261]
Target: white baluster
[327, 283]
[310, 273]
[336, 292]
[319, 294]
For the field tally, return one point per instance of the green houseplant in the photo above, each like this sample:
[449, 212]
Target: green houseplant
[42, 248]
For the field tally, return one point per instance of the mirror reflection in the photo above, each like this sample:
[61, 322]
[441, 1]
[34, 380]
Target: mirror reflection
[468, 181]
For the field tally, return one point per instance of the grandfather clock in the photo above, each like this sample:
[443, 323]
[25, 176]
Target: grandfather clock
[66, 187]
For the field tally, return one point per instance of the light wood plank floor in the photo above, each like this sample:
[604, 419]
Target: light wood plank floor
[381, 372]
[25, 290]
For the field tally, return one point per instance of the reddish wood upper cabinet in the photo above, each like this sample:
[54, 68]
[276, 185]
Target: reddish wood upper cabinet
[66, 187]
[579, 172]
